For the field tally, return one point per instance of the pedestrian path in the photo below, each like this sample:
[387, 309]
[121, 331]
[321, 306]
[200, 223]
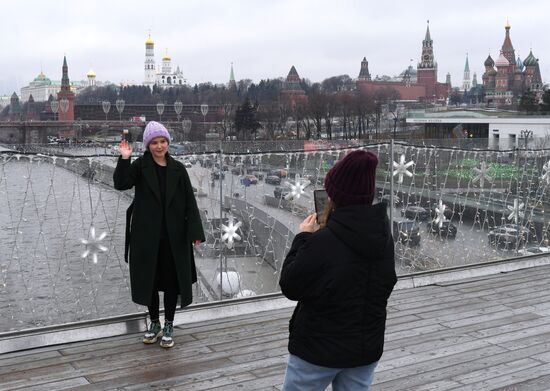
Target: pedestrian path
[483, 333]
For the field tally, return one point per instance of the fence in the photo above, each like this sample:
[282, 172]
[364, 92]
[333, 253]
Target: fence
[62, 223]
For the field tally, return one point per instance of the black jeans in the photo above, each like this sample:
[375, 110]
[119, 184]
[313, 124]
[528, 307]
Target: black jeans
[170, 302]
[165, 280]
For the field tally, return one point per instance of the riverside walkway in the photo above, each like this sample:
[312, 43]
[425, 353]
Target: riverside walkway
[489, 332]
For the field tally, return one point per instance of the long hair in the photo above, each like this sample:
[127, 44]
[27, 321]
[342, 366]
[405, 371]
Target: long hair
[325, 215]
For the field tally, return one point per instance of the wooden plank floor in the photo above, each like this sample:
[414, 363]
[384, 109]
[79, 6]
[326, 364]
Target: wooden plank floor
[487, 333]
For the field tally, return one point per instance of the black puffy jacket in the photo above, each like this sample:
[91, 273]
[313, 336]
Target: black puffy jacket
[342, 277]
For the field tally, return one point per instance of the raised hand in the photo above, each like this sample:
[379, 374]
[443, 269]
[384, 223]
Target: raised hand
[125, 149]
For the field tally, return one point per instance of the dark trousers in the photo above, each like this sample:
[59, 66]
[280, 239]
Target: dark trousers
[165, 280]
[170, 302]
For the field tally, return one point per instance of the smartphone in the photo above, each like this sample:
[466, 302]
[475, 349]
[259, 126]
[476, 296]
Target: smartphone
[320, 198]
[125, 135]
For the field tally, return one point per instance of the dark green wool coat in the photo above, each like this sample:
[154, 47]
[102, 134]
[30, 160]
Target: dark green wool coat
[183, 224]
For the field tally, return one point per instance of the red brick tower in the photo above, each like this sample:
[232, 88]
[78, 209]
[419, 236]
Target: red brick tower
[427, 67]
[292, 92]
[65, 96]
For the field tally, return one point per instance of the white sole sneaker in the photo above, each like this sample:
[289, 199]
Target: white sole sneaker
[166, 344]
[148, 341]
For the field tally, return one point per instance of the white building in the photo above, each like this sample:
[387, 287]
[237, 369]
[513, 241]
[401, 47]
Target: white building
[40, 88]
[502, 131]
[165, 77]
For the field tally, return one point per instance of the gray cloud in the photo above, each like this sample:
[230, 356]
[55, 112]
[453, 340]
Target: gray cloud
[263, 38]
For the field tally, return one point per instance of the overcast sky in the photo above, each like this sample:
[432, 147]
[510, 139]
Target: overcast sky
[263, 38]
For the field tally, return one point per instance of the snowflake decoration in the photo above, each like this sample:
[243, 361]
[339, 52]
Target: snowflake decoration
[93, 244]
[516, 211]
[297, 188]
[546, 175]
[230, 232]
[401, 169]
[440, 214]
[482, 174]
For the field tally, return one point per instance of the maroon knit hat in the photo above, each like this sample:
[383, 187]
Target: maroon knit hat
[352, 180]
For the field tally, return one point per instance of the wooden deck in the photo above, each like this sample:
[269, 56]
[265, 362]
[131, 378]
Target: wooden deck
[487, 333]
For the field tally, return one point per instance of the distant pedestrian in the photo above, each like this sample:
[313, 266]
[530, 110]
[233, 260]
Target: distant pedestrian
[342, 273]
[162, 225]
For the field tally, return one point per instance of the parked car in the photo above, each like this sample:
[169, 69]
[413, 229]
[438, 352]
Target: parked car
[406, 231]
[509, 236]
[273, 180]
[187, 164]
[249, 179]
[533, 250]
[447, 230]
[258, 174]
[415, 213]
[281, 173]
[280, 192]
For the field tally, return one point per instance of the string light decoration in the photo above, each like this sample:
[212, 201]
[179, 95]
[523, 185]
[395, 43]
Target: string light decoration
[440, 217]
[516, 211]
[93, 245]
[230, 234]
[56, 198]
[401, 169]
[482, 174]
[297, 188]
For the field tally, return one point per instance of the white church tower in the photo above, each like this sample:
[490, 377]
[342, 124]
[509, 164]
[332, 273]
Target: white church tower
[150, 73]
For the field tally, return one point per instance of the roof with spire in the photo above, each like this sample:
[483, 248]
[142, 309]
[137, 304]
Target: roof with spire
[489, 62]
[507, 44]
[530, 60]
[428, 37]
[467, 66]
[293, 80]
[364, 72]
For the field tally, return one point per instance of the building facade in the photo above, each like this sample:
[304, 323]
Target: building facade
[424, 88]
[508, 78]
[40, 88]
[164, 77]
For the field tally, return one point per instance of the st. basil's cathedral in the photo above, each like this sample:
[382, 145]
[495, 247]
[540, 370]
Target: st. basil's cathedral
[512, 77]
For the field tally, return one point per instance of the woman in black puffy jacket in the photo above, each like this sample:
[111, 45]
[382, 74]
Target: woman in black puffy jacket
[342, 274]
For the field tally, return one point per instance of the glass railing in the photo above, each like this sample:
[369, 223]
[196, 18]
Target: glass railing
[62, 223]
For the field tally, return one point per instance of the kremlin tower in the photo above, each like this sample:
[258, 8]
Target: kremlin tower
[65, 96]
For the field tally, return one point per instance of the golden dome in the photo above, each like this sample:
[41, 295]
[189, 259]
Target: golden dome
[91, 73]
[166, 57]
[149, 41]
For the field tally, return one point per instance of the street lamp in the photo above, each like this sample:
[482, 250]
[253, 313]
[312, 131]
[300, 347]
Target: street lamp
[160, 110]
[54, 105]
[120, 107]
[178, 106]
[186, 127]
[106, 105]
[526, 134]
[204, 111]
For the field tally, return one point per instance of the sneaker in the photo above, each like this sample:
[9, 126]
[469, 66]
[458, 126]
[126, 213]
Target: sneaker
[167, 341]
[153, 333]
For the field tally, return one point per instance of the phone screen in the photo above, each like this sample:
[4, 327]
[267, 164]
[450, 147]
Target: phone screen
[320, 198]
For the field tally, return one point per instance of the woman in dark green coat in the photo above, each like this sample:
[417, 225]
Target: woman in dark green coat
[163, 223]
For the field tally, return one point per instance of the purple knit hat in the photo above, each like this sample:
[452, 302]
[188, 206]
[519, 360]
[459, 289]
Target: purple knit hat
[152, 130]
[352, 180]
